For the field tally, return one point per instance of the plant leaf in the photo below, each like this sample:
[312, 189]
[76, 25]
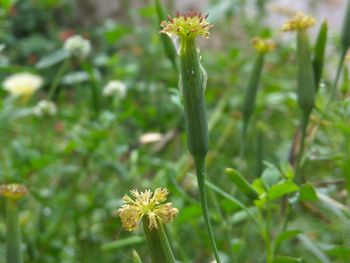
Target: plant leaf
[282, 189]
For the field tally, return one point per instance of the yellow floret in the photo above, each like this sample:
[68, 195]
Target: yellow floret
[147, 204]
[188, 25]
[299, 22]
[263, 45]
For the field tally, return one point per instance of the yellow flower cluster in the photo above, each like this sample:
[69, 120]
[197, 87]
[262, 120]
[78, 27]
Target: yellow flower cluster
[263, 45]
[13, 190]
[22, 84]
[188, 25]
[147, 204]
[299, 22]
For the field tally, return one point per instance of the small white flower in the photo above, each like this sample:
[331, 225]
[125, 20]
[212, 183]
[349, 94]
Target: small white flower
[22, 84]
[45, 108]
[115, 87]
[77, 46]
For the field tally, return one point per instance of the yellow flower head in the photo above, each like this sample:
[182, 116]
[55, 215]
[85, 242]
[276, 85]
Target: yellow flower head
[263, 45]
[147, 204]
[22, 84]
[188, 25]
[14, 191]
[299, 22]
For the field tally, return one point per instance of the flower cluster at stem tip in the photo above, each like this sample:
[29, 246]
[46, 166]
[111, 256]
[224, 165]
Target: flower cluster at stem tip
[13, 191]
[22, 84]
[115, 87]
[299, 22]
[147, 204]
[77, 46]
[45, 108]
[263, 45]
[187, 25]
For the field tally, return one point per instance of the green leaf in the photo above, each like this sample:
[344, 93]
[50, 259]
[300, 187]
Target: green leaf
[287, 170]
[282, 189]
[308, 193]
[285, 235]
[232, 199]
[135, 257]
[341, 252]
[271, 175]
[261, 201]
[52, 59]
[75, 77]
[125, 242]
[242, 184]
[258, 186]
[189, 213]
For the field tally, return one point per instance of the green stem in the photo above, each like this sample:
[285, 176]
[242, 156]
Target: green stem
[55, 81]
[200, 170]
[335, 84]
[269, 247]
[304, 124]
[160, 249]
[250, 97]
[13, 253]
[332, 94]
[95, 91]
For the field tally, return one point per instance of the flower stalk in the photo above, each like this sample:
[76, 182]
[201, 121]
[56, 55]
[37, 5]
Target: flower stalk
[13, 253]
[13, 192]
[306, 90]
[345, 44]
[262, 46]
[158, 243]
[186, 27]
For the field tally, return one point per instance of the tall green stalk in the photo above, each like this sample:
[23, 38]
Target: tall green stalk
[192, 83]
[251, 91]
[306, 90]
[345, 44]
[306, 83]
[200, 171]
[53, 90]
[186, 27]
[158, 243]
[13, 235]
[262, 46]
[12, 193]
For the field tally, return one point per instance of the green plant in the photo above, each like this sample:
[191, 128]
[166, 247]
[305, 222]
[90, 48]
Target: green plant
[193, 81]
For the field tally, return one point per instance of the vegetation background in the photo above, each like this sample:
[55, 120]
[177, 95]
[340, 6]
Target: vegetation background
[79, 162]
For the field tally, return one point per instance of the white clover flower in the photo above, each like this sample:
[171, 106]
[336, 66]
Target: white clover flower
[22, 84]
[77, 46]
[115, 87]
[45, 108]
